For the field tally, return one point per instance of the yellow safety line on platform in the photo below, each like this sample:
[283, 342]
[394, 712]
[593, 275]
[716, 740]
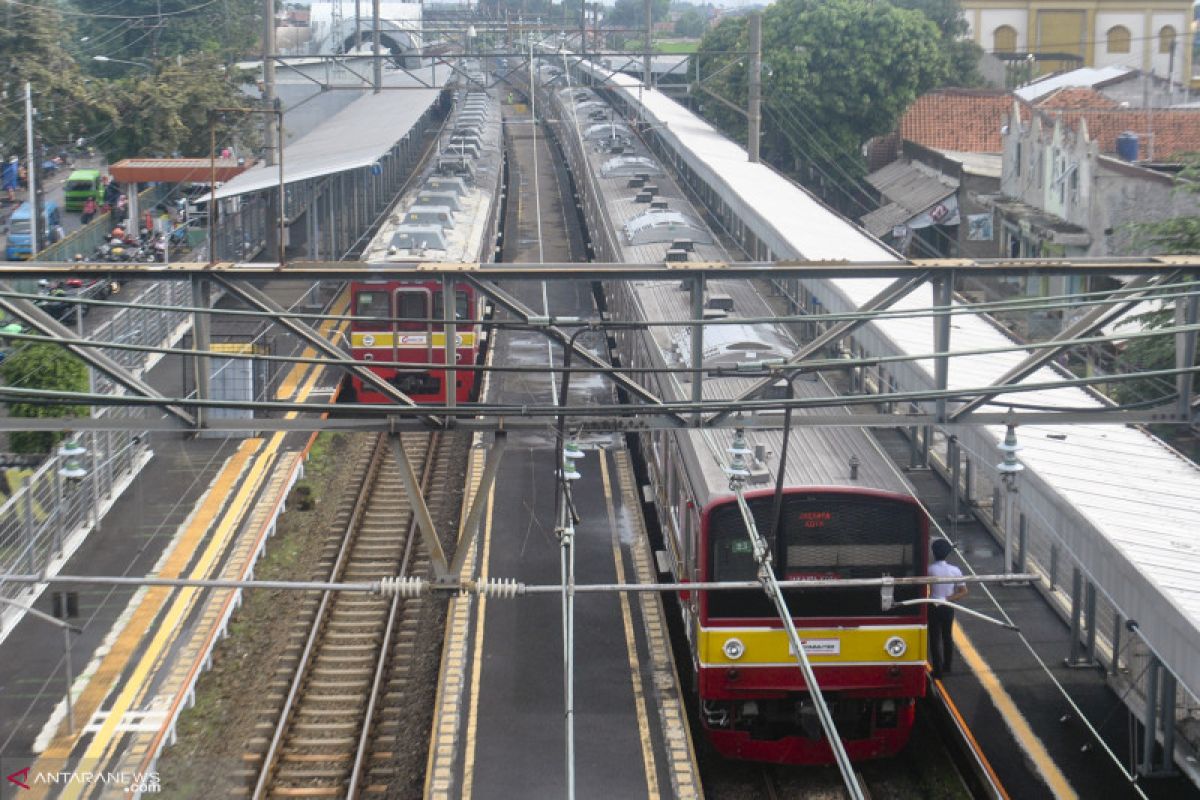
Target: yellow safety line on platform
[1020, 727]
[200, 525]
[635, 668]
[477, 655]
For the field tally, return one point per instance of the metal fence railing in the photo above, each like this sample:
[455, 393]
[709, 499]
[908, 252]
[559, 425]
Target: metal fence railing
[48, 515]
[95, 233]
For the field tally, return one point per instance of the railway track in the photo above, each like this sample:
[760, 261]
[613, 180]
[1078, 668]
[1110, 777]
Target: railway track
[334, 728]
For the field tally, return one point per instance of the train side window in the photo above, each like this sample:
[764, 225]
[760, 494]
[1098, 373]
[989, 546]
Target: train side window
[372, 305]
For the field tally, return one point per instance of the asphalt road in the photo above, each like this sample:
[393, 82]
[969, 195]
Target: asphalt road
[53, 191]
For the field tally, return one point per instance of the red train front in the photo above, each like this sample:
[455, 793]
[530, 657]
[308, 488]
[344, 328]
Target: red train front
[870, 664]
[393, 325]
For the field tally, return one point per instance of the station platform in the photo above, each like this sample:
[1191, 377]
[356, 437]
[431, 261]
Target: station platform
[198, 509]
[1005, 686]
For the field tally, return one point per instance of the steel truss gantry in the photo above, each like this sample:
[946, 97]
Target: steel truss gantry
[1148, 277]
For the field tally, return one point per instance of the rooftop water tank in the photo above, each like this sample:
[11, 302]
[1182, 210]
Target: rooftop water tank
[1127, 146]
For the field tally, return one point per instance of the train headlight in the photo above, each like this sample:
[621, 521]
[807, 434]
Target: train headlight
[896, 647]
[734, 649]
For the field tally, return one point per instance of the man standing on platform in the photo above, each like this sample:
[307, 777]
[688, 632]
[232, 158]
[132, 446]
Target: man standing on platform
[941, 617]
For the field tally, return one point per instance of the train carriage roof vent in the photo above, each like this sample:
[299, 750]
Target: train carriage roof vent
[636, 183]
[715, 313]
[718, 300]
[450, 199]
[446, 183]
[625, 166]
[674, 255]
[642, 197]
[683, 244]
[413, 239]
[652, 188]
[430, 215]
[658, 205]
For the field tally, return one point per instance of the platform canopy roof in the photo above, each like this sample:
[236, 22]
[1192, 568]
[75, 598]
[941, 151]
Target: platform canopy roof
[357, 136]
[174, 170]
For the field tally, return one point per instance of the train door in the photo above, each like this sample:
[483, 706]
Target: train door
[414, 309]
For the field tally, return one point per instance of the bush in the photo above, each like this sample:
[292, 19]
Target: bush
[42, 366]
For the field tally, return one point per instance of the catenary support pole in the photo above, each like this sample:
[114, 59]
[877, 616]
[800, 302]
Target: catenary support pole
[754, 106]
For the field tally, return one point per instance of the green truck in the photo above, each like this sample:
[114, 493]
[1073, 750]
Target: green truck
[82, 184]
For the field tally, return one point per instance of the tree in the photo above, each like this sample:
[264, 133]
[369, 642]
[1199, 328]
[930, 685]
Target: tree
[167, 112]
[42, 366]
[836, 73]
[962, 53]
[690, 24]
[154, 29]
[30, 50]
[632, 13]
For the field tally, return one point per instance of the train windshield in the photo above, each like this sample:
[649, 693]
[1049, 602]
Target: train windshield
[824, 537]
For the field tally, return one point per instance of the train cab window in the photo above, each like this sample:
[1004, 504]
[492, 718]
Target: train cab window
[412, 310]
[372, 308]
[824, 537]
[462, 306]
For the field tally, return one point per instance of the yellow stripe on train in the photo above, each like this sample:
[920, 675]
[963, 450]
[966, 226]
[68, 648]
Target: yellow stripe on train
[387, 339]
[823, 645]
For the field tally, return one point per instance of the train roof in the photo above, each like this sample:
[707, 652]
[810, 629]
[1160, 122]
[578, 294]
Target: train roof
[817, 456]
[455, 227]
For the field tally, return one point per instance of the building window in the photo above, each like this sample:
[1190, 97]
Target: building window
[1118, 39]
[1004, 39]
[1166, 39]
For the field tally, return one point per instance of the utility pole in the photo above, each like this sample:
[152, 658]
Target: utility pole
[754, 110]
[35, 221]
[647, 77]
[269, 80]
[375, 49]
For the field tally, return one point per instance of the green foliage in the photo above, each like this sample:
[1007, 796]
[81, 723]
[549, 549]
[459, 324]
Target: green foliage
[228, 30]
[167, 112]
[31, 50]
[632, 13]
[42, 366]
[836, 73]
[962, 53]
[691, 23]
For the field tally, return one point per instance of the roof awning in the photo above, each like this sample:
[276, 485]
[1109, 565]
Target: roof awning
[174, 170]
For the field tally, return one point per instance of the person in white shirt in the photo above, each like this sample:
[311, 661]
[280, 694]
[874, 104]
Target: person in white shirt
[941, 617]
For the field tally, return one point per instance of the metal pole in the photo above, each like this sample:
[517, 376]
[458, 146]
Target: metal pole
[269, 98]
[201, 335]
[70, 678]
[276, 114]
[212, 188]
[1076, 615]
[1167, 716]
[31, 171]
[754, 106]
[1089, 616]
[1022, 541]
[697, 354]
[941, 341]
[376, 48]
[1150, 727]
[955, 470]
[647, 75]
[450, 334]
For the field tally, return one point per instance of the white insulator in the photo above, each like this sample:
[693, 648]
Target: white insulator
[501, 587]
[402, 586]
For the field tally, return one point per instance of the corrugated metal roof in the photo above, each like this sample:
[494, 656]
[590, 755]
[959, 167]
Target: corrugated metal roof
[883, 219]
[1125, 503]
[356, 136]
[912, 185]
[1084, 76]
